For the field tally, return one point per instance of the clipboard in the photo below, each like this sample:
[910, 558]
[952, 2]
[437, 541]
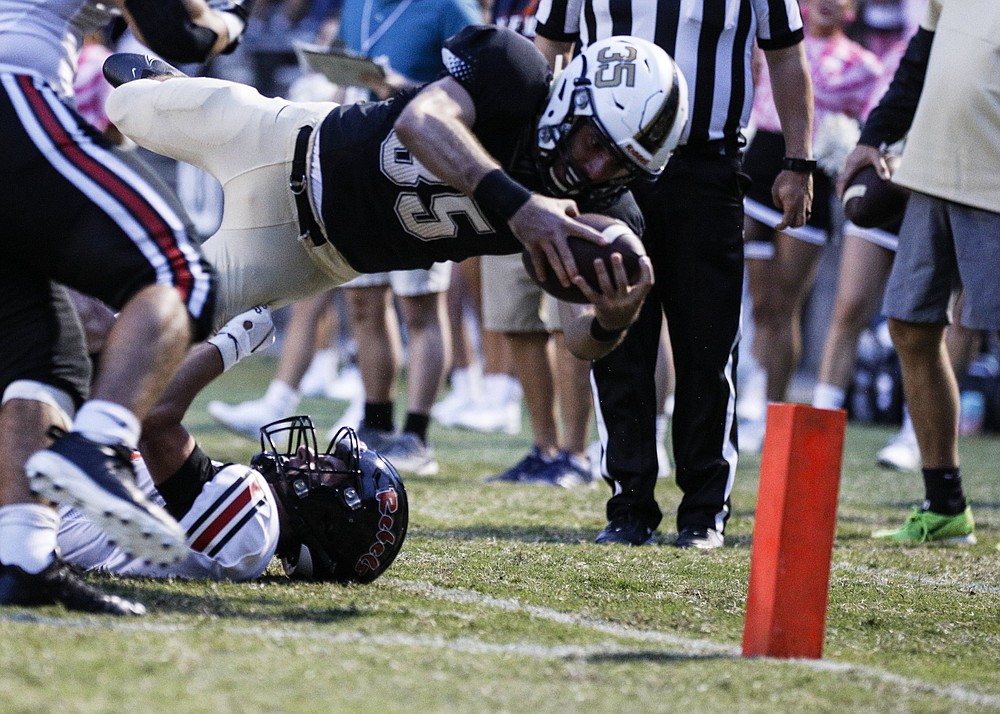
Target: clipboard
[339, 66]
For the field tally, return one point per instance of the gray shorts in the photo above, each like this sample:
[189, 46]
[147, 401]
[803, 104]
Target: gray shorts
[945, 247]
[512, 301]
[408, 283]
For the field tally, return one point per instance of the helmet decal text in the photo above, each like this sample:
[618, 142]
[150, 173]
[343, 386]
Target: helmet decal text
[388, 502]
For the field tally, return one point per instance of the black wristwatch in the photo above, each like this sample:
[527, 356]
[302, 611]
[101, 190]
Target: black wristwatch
[804, 166]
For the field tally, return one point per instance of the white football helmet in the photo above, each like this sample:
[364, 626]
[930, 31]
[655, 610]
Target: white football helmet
[633, 92]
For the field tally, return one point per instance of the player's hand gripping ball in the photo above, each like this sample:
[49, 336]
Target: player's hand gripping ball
[622, 240]
[871, 202]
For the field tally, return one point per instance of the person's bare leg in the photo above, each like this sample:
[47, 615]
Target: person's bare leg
[535, 370]
[300, 338]
[931, 390]
[429, 348]
[23, 427]
[462, 352]
[376, 331]
[141, 354]
[666, 379]
[166, 444]
[962, 343]
[576, 404]
[864, 269]
[144, 349]
[778, 289]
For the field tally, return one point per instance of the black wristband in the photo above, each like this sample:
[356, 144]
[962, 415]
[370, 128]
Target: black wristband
[602, 334]
[501, 194]
[804, 166]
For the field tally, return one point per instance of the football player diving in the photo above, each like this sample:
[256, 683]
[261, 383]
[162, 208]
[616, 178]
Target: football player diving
[492, 158]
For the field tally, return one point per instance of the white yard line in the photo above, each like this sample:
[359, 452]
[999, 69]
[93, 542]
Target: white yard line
[679, 647]
[696, 647]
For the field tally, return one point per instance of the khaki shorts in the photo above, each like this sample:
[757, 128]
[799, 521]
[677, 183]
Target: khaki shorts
[247, 142]
[408, 283]
[512, 301]
[944, 246]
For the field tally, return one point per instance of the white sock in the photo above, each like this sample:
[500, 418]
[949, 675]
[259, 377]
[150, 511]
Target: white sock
[28, 536]
[108, 423]
[827, 396]
[282, 397]
[907, 427]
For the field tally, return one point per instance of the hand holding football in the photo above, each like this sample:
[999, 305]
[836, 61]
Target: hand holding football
[870, 201]
[623, 241]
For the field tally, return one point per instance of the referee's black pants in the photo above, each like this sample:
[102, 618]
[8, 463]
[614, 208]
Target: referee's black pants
[694, 236]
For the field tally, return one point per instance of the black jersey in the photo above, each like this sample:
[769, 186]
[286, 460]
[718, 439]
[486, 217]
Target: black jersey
[384, 211]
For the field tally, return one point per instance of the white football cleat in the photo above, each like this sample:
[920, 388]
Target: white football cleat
[901, 453]
[321, 371]
[346, 385]
[247, 417]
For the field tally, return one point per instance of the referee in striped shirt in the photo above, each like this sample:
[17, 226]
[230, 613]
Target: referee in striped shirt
[694, 236]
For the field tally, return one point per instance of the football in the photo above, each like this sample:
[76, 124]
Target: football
[623, 241]
[871, 202]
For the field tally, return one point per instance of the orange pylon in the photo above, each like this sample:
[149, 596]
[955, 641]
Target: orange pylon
[793, 531]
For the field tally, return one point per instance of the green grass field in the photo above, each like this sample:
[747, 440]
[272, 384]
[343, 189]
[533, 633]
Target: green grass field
[500, 602]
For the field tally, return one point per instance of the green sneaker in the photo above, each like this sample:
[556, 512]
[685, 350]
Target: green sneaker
[924, 526]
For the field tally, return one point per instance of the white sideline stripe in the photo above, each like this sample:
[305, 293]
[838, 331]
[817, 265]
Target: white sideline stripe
[887, 575]
[470, 597]
[696, 647]
[469, 645]
[689, 648]
[466, 645]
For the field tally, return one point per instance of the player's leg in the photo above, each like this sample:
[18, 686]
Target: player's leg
[44, 373]
[99, 224]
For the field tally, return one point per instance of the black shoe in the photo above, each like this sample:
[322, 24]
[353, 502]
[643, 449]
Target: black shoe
[523, 469]
[701, 538]
[625, 531]
[99, 481]
[127, 66]
[60, 583]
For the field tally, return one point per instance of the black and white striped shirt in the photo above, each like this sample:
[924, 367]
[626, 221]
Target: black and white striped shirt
[711, 41]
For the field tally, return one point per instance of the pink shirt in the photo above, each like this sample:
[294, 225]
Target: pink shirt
[844, 76]
[90, 87]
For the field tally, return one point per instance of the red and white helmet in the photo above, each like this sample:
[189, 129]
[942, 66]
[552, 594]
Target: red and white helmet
[632, 91]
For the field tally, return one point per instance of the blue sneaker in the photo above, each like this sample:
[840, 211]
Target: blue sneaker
[524, 469]
[564, 471]
[99, 481]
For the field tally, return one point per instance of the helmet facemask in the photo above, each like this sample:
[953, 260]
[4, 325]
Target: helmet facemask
[346, 506]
